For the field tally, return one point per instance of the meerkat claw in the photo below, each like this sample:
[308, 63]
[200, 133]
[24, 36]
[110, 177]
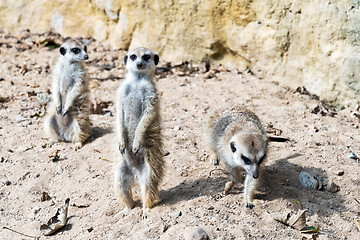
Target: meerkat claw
[145, 213]
[58, 110]
[122, 149]
[135, 151]
[78, 145]
[64, 113]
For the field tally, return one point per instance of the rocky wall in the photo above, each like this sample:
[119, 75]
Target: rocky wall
[311, 43]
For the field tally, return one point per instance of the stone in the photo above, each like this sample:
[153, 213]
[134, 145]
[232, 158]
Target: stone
[332, 187]
[196, 234]
[308, 181]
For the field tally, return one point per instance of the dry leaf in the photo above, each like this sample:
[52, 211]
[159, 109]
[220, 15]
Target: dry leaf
[297, 221]
[309, 229]
[56, 222]
[358, 224]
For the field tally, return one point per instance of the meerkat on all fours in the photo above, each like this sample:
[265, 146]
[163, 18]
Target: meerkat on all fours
[237, 138]
[139, 132]
[68, 115]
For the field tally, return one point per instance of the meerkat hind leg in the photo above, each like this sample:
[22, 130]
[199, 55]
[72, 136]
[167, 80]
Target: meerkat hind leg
[79, 136]
[122, 184]
[52, 128]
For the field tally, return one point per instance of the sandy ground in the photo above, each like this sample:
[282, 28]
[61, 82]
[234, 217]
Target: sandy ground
[33, 184]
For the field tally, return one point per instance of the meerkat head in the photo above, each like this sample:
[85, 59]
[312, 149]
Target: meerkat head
[249, 151]
[74, 50]
[141, 60]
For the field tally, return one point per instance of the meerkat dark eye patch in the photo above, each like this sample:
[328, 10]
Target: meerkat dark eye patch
[156, 59]
[232, 146]
[76, 50]
[262, 159]
[133, 57]
[146, 57]
[85, 48]
[246, 160]
[63, 51]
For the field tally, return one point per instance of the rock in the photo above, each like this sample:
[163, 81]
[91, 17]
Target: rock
[300, 43]
[196, 234]
[43, 98]
[308, 181]
[20, 119]
[353, 156]
[332, 187]
[340, 173]
[175, 214]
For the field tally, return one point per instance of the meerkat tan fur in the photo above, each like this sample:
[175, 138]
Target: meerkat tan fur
[68, 115]
[237, 138]
[139, 132]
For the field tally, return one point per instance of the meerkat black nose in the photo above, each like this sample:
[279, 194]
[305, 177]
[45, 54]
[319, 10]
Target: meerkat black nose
[255, 175]
[86, 57]
[139, 65]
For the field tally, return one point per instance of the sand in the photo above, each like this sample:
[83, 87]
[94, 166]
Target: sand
[33, 184]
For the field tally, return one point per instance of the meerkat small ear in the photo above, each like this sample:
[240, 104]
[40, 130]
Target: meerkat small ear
[156, 59]
[62, 51]
[125, 59]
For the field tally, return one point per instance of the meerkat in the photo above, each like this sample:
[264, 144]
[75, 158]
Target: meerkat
[68, 115]
[237, 138]
[139, 132]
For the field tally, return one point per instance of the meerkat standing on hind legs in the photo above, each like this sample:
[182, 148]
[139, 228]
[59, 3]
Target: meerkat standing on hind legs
[139, 132]
[237, 138]
[68, 116]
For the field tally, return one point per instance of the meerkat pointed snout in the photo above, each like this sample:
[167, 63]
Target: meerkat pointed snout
[68, 115]
[237, 138]
[139, 132]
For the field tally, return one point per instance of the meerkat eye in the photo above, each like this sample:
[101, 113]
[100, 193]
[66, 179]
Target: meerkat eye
[246, 160]
[146, 57]
[75, 50]
[232, 146]
[85, 48]
[133, 57]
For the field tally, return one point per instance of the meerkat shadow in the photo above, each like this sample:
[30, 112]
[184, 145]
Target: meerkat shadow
[97, 132]
[280, 180]
[188, 190]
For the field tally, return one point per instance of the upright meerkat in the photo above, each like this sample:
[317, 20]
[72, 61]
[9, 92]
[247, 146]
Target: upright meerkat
[139, 132]
[68, 115]
[237, 138]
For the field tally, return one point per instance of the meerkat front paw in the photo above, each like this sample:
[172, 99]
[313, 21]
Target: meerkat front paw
[135, 147]
[58, 110]
[78, 145]
[122, 148]
[65, 112]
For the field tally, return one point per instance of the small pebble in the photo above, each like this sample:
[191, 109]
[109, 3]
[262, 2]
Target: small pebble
[332, 187]
[20, 119]
[308, 181]
[353, 156]
[196, 234]
[175, 214]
